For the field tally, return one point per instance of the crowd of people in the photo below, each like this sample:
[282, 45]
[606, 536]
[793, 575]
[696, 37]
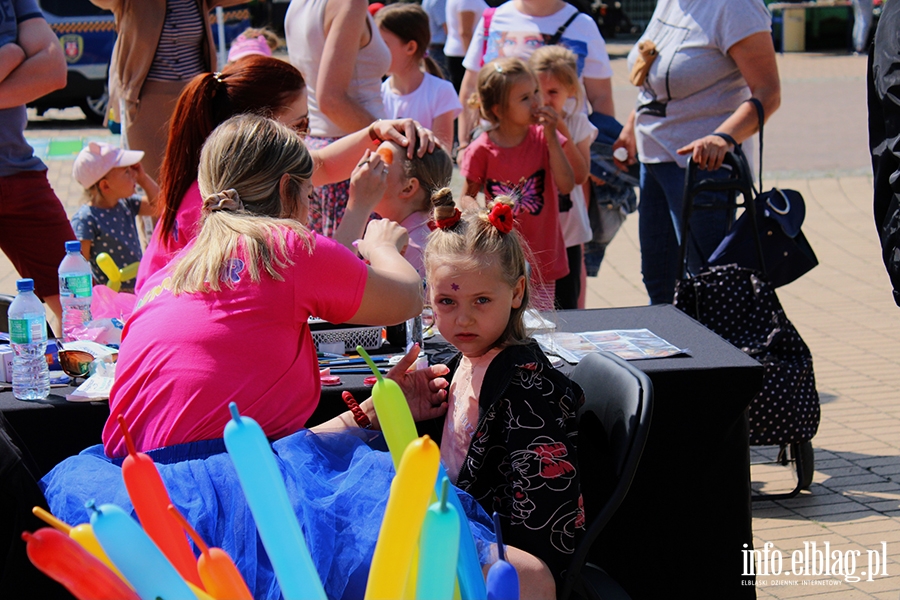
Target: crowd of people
[320, 186]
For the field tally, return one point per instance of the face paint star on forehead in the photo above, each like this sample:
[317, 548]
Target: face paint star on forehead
[454, 287]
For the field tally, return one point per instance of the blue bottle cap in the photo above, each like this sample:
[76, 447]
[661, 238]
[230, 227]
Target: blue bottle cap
[73, 246]
[25, 285]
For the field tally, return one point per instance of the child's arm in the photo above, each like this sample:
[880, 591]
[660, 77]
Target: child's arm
[11, 56]
[578, 154]
[149, 207]
[86, 249]
[563, 176]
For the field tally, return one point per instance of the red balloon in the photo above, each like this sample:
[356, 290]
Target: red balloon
[60, 557]
[151, 500]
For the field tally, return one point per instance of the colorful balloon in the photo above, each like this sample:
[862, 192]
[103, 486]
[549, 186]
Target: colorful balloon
[83, 534]
[393, 412]
[149, 496]
[439, 546]
[502, 578]
[137, 557]
[113, 273]
[219, 574]
[268, 500]
[399, 430]
[408, 501]
[63, 559]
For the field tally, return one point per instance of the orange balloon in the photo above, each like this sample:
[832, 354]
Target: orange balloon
[386, 155]
[63, 559]
[221, 577]
[150, 499]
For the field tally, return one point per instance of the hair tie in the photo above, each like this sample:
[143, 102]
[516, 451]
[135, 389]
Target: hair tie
[446, 222]
[217, 76]
[498, 68]
[228, 200]
[501, 217]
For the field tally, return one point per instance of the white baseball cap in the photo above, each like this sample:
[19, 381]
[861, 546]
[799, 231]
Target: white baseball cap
[97, 159]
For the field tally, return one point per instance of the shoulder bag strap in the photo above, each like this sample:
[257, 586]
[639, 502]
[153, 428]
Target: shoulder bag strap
[554, 39]
[762, 119]
[487, 16]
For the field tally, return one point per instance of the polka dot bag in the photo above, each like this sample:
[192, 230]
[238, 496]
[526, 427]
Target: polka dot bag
[742, 307]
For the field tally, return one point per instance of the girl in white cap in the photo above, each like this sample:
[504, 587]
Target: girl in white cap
[109, 176]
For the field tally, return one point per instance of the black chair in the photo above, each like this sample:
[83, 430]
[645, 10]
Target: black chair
[612, 431]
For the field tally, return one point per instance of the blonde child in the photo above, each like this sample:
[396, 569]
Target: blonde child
[254, 40]
[109, 176]
[522, 156]
[556, 68]
[406, 195]
[410, 92]
[508, 437]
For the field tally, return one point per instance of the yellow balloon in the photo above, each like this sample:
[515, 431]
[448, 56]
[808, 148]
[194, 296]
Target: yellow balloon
[112, 271]
[410, 495]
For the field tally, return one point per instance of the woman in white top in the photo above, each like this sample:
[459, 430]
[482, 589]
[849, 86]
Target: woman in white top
[712, 58]
[461, 18]
[337, 47]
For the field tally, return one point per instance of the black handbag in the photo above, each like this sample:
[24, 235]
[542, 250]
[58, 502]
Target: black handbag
[786, 253]
[741, 306]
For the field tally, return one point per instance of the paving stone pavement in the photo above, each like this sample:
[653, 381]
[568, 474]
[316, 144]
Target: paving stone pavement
[817, 144]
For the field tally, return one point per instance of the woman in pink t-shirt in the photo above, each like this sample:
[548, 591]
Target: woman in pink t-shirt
[227, 321]
[259, 85]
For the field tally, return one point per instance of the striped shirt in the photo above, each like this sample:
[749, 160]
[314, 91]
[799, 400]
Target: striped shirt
[179, 55]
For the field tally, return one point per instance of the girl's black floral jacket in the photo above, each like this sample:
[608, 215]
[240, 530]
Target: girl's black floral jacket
[522, 462]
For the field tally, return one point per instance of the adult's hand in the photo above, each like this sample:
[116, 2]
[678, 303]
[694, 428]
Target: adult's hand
[425, 389]
[369, 180]
[401, 131]
[381, 233]
[629, 142]
[708, 152]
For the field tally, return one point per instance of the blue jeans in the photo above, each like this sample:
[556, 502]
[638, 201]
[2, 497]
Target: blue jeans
[659, 225]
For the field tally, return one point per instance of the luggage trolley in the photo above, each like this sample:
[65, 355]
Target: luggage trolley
[695, 295]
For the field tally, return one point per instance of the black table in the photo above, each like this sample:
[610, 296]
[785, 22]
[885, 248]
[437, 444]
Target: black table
[687, 516]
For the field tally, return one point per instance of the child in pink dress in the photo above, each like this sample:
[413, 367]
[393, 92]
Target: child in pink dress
[522, 156]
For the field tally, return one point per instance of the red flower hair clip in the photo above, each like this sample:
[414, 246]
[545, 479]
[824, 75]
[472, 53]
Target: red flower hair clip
[501, 217]
[446, 222]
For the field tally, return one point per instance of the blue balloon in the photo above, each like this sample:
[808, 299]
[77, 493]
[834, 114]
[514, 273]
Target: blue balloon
[468, 569]
[438, 549]
[268, 500]
[502, 578]
[502, 582]
[133, 552]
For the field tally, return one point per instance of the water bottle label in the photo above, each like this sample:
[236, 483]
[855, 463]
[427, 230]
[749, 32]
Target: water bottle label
[78, 286]
[27, 331]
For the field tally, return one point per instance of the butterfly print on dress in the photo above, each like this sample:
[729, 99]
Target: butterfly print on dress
[528, 193]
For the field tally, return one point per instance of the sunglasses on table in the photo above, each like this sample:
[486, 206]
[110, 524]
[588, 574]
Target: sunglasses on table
[76, 363]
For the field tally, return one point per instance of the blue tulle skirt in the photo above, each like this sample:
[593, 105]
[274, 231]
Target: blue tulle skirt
[338, 484]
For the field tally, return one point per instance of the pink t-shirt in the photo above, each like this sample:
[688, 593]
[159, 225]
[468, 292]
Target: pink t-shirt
[160, 252]
[184, 358]
[523, 172]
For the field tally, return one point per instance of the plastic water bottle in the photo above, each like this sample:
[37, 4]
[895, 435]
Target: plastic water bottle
[75, 287]
[28, 336]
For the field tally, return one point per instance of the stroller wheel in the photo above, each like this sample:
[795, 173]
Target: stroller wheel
[804, 462]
